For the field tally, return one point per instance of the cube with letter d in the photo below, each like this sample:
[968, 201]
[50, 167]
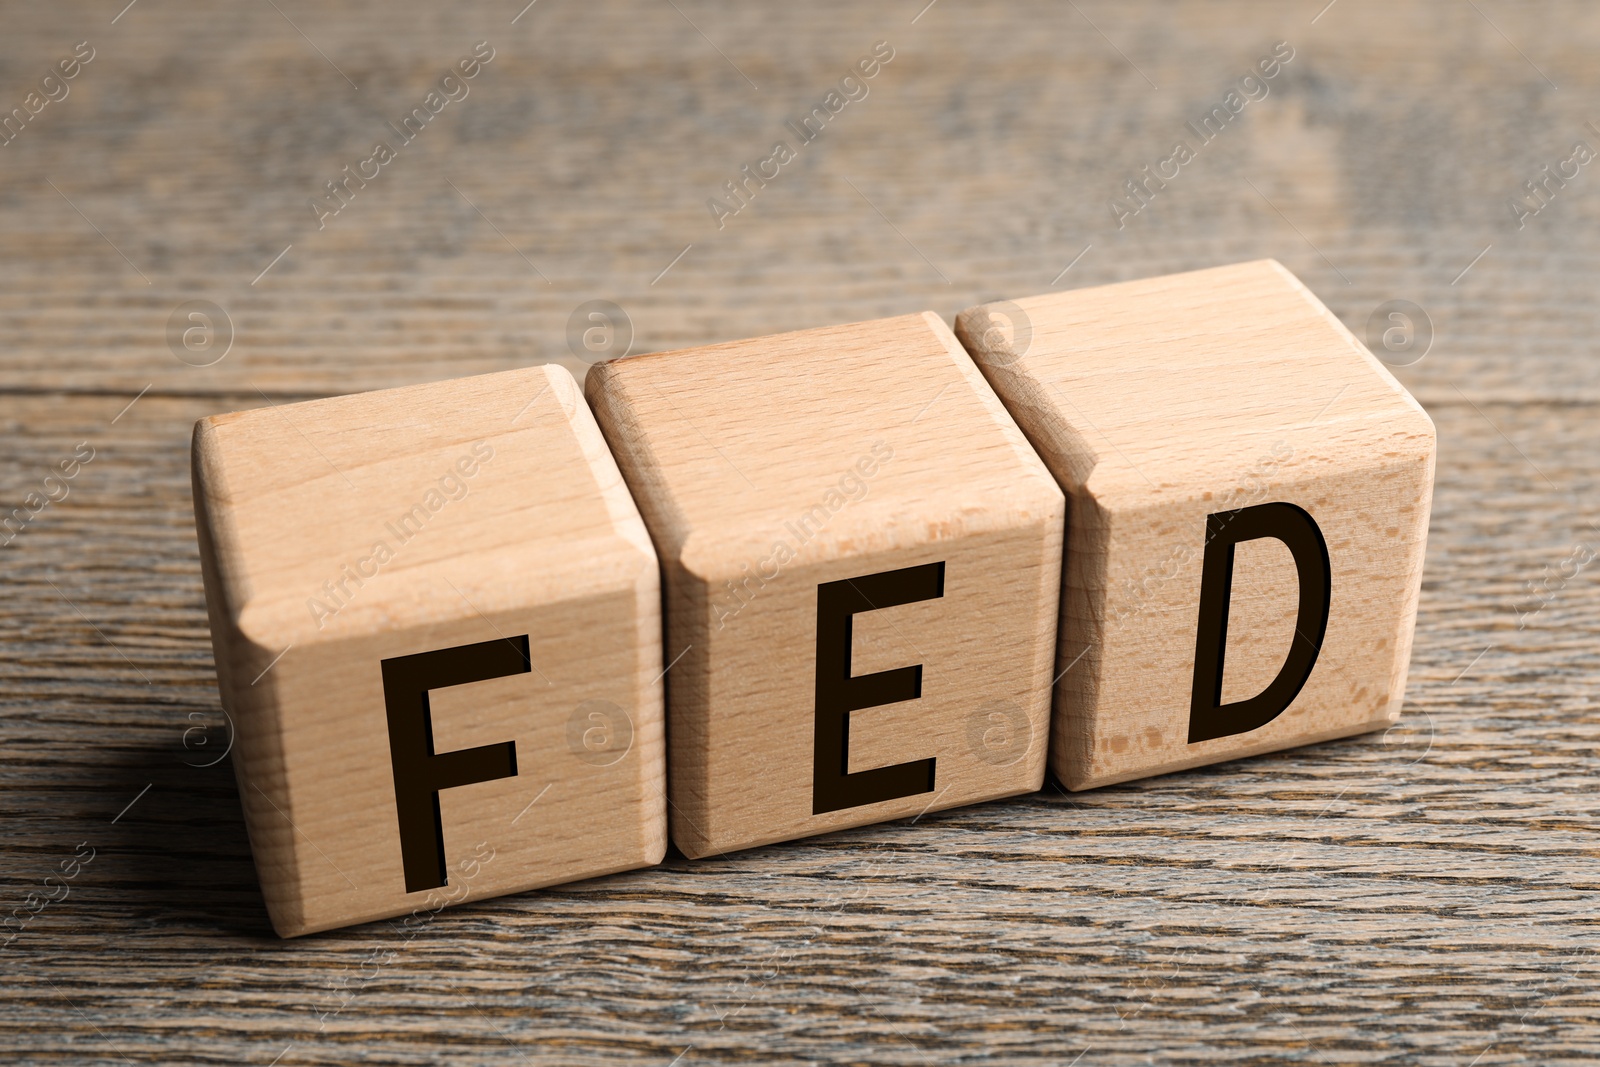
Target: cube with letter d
[861, 558]
[437, 623]
[1248, 494]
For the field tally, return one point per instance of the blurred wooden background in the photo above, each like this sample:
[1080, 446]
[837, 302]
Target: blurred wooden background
[1425, 896]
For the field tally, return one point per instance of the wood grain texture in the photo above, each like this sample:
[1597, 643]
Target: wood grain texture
[1422, 896]
[866, 510]
[403, 580]
[1173, 410]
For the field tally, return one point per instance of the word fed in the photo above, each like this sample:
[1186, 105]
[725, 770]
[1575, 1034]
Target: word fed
[761, 590]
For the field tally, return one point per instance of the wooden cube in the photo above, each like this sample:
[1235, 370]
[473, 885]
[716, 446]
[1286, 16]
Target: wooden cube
[1248, 508]
[862, 565]
[436, 618]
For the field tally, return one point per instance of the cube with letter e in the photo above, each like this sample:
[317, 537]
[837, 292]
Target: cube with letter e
[1248, 494]
[436, 617]
[861, 559]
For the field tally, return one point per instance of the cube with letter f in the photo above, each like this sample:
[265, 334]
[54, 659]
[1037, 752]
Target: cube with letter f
[437, 623]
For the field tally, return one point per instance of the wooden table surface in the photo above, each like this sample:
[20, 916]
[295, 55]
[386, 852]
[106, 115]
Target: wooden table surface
[1422, 896]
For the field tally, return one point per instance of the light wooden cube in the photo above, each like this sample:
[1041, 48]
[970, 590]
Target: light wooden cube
[862, 564]
[1248, 494]
[436, 618]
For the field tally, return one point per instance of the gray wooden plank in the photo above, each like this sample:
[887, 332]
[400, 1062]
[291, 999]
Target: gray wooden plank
[1425, 896]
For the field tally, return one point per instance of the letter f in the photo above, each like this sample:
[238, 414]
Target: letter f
[419, 772]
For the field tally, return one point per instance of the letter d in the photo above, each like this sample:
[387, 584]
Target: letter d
[1209, 718]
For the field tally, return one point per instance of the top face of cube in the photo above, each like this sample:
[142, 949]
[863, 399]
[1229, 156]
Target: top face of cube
[885, 428]
[466, 496]
[1162, 387]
